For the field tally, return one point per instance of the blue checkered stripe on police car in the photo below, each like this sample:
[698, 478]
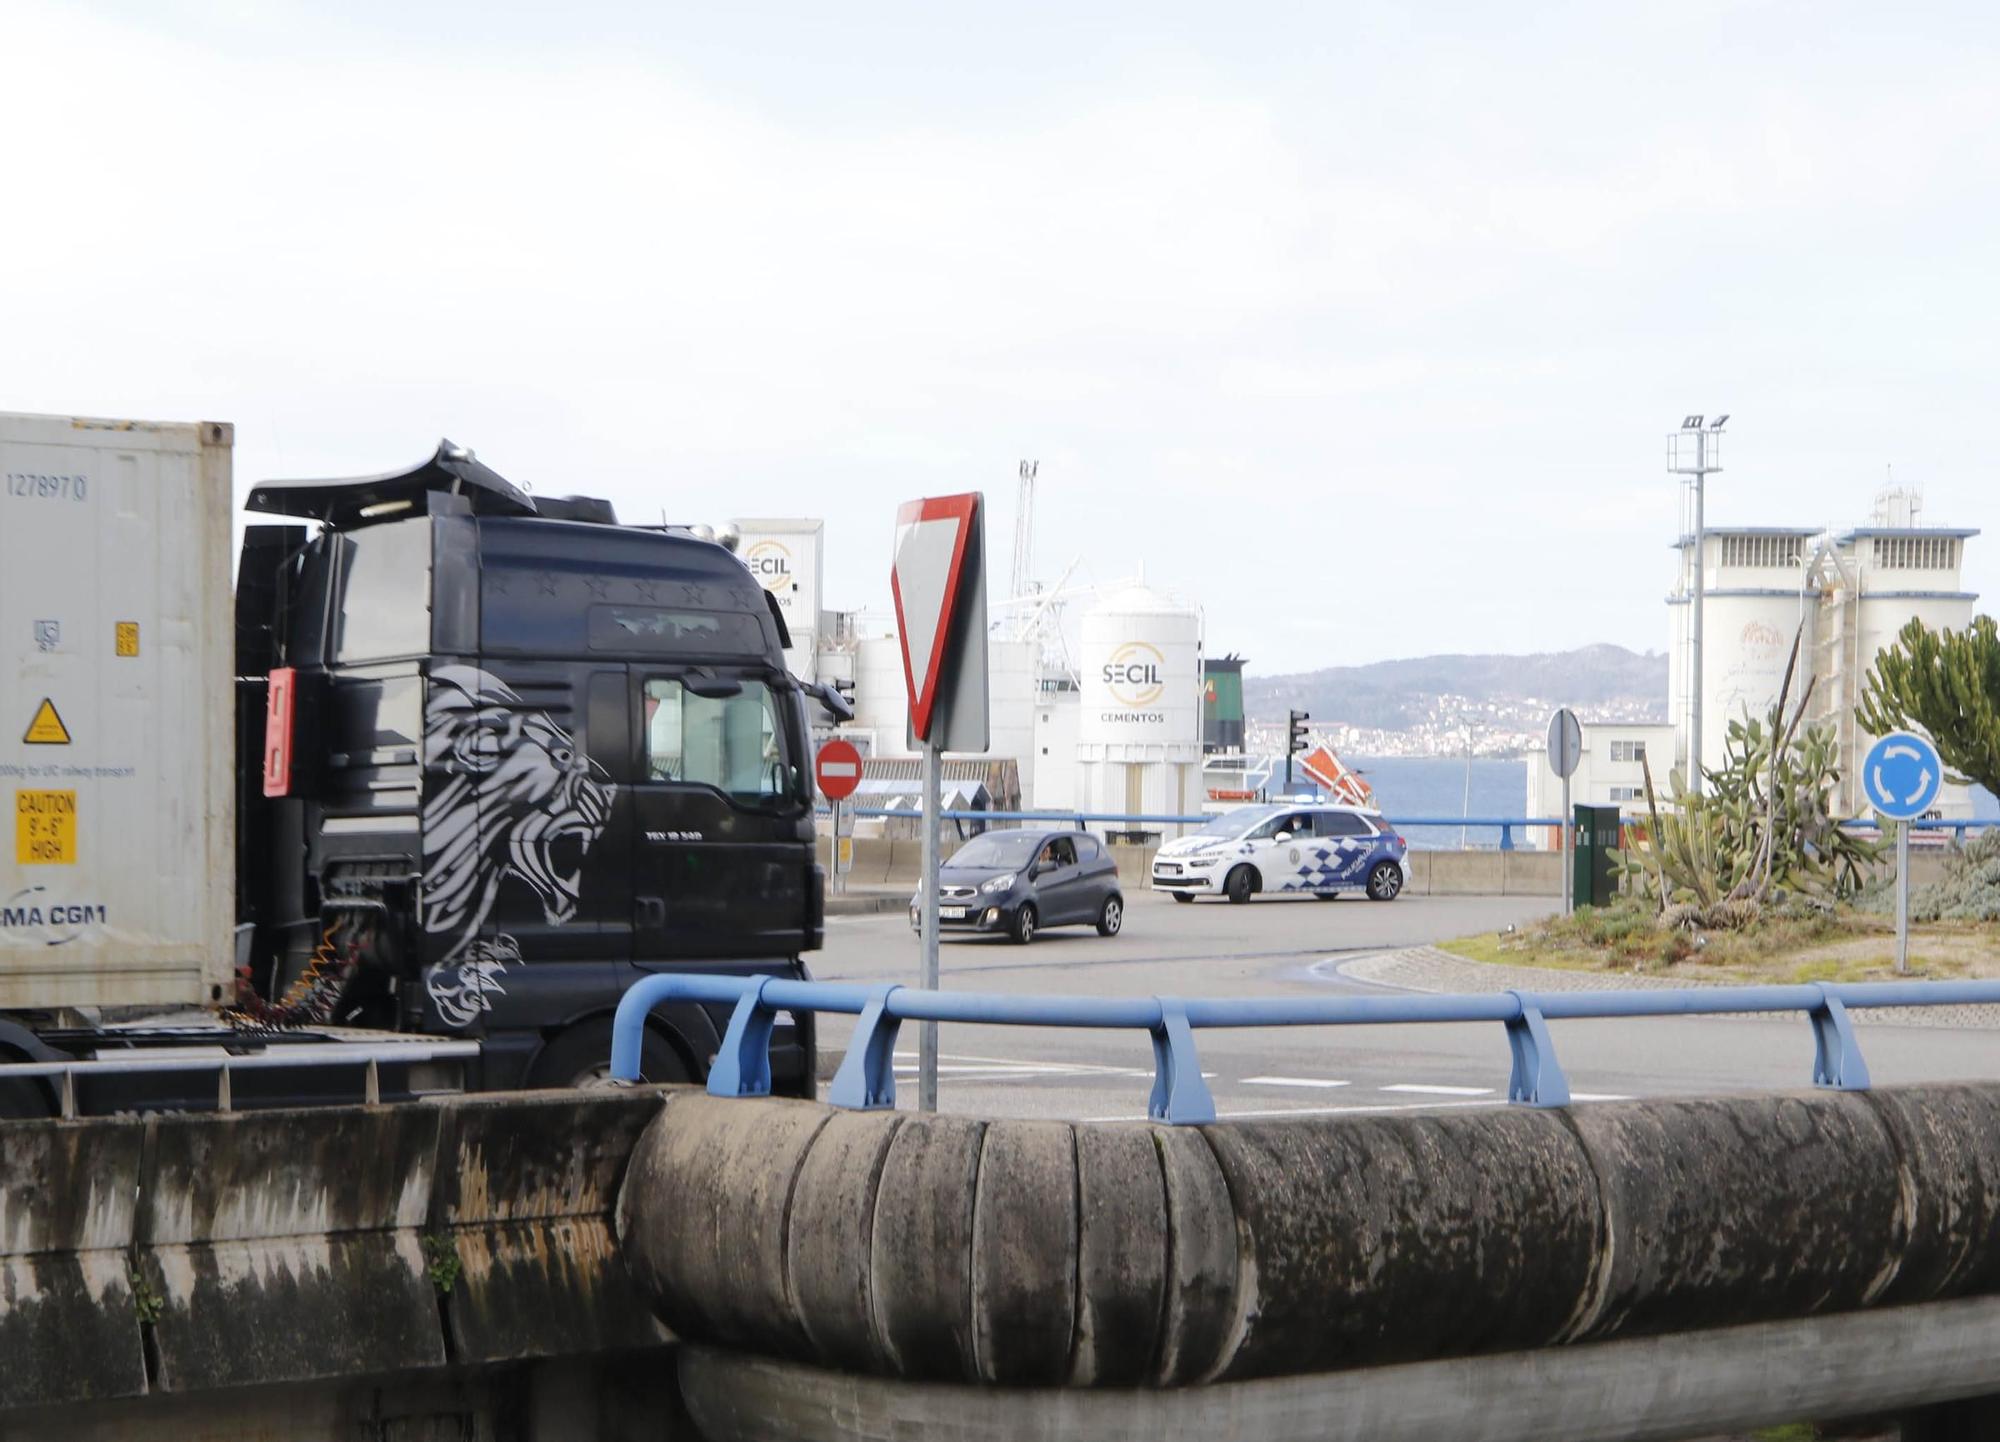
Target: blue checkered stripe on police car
[1332, 864]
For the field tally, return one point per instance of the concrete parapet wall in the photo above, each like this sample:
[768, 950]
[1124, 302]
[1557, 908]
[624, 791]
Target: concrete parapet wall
[182, 1253]
[1051, 1254]
[891, 861]
[1694, 1384]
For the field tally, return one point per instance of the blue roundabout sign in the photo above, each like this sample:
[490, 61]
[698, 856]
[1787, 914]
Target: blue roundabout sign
[1902, 775]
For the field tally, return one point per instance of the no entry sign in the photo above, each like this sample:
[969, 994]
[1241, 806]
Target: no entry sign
[837, 769]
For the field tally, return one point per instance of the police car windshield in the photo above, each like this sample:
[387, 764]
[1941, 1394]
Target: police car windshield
[997, 849]
[1235, 823]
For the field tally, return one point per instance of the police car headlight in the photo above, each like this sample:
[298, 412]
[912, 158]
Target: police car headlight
[1201, 863]
[998, 883]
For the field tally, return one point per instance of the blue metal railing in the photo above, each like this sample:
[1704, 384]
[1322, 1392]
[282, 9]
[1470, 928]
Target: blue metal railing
[866, 1079]
[1079, 820]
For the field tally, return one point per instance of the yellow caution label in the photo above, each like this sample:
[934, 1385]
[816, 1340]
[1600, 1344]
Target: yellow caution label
[128, 638]
[45, 828]
[47, 728]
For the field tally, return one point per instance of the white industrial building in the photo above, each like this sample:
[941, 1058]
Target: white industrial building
[1116, 730]
[1844, 594]
[1611, 772]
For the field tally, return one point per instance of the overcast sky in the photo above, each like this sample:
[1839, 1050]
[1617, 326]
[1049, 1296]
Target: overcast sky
[1361, 325]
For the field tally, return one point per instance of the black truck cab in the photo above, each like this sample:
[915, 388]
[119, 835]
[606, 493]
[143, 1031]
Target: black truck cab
[513, 756]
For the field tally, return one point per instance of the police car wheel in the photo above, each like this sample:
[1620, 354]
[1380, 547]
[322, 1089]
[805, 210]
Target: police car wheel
[1181, 895]
[1326, 896]
[1385, 881]
[1238, 886]
[1023, 930]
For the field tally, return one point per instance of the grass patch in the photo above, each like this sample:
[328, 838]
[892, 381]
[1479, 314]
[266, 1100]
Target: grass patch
[1844, 945]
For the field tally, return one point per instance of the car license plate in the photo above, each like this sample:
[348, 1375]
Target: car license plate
[952, 913]
[1170, 871]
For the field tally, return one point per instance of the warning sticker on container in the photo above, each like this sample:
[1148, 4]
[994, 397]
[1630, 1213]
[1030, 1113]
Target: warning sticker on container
[127, 637]
[47, 728]
[45, 828]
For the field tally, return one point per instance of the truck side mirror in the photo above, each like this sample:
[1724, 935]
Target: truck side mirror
[837, 706]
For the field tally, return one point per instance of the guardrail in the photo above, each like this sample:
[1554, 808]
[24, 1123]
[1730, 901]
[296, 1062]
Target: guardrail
[296, 1054]
[866, 1079]
[1080, 820]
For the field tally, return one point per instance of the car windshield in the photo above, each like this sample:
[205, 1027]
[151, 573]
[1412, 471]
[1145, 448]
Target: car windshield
[997, 849]
[1235, 823]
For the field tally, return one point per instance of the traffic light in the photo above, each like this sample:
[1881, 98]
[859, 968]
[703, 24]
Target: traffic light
[1296, 738]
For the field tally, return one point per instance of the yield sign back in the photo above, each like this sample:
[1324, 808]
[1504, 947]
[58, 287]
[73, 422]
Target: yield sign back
[931, 536]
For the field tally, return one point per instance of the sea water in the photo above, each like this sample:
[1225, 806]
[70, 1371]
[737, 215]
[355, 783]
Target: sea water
[1434, 788]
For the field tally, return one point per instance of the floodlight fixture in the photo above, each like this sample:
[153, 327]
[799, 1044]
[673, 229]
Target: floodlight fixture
[1690, 423]
[1718, 423]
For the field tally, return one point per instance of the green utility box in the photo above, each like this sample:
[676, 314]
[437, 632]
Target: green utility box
[1594, 879]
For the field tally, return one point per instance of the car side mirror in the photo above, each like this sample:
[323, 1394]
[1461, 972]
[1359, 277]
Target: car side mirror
[1282, 836]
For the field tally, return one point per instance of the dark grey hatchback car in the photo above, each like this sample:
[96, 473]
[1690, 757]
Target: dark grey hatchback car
[1017, 882]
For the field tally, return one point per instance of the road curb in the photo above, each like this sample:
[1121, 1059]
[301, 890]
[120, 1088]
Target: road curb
[878, 903]
[1432, 969]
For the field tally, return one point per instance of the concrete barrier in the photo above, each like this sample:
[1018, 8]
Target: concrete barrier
[183, 1254]
[1696, 1384]
[1055, 1255]
[69, 1323]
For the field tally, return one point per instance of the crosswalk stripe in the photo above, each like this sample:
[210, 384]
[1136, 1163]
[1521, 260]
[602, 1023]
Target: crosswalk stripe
[1292, 1081]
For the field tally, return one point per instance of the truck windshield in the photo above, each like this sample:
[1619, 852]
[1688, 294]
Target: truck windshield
[734, 743]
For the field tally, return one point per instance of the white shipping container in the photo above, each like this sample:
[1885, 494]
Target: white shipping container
[117, 731]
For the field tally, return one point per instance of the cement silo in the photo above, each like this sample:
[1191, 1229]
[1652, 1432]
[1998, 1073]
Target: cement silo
[1139, 723]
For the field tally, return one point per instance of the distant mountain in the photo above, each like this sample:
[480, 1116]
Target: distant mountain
[1415, 694]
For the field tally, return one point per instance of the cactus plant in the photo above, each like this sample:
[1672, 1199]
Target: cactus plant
[1763, 824]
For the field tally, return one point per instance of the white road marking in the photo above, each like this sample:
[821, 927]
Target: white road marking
[1438, 1091]
[1292, 1081]
[1230, 1116]
[1597, 1097]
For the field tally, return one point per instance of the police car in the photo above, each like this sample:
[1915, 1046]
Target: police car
[1317, 849]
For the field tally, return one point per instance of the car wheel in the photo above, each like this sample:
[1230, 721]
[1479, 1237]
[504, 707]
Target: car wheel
[1326, 896]
[1385, 881]
[1112, 916]
[1181, 895]
[1239, 885]
[580, 1058]
[1023, 930]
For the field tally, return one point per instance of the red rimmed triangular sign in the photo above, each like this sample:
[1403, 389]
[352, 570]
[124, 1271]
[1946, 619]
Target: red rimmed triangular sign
[928, 583]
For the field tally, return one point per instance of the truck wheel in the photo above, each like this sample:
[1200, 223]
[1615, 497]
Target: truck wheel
[1238, 886]
[581, 1058]
[22, 1100]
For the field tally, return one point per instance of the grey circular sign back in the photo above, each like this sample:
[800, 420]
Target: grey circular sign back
[1565, 743]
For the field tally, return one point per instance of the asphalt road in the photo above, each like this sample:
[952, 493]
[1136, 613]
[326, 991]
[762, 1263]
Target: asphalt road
[1296, 947]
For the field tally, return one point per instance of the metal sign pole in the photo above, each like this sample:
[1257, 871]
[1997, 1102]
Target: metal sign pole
[1568, 859]
[927, 1036]
[1902, 898]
